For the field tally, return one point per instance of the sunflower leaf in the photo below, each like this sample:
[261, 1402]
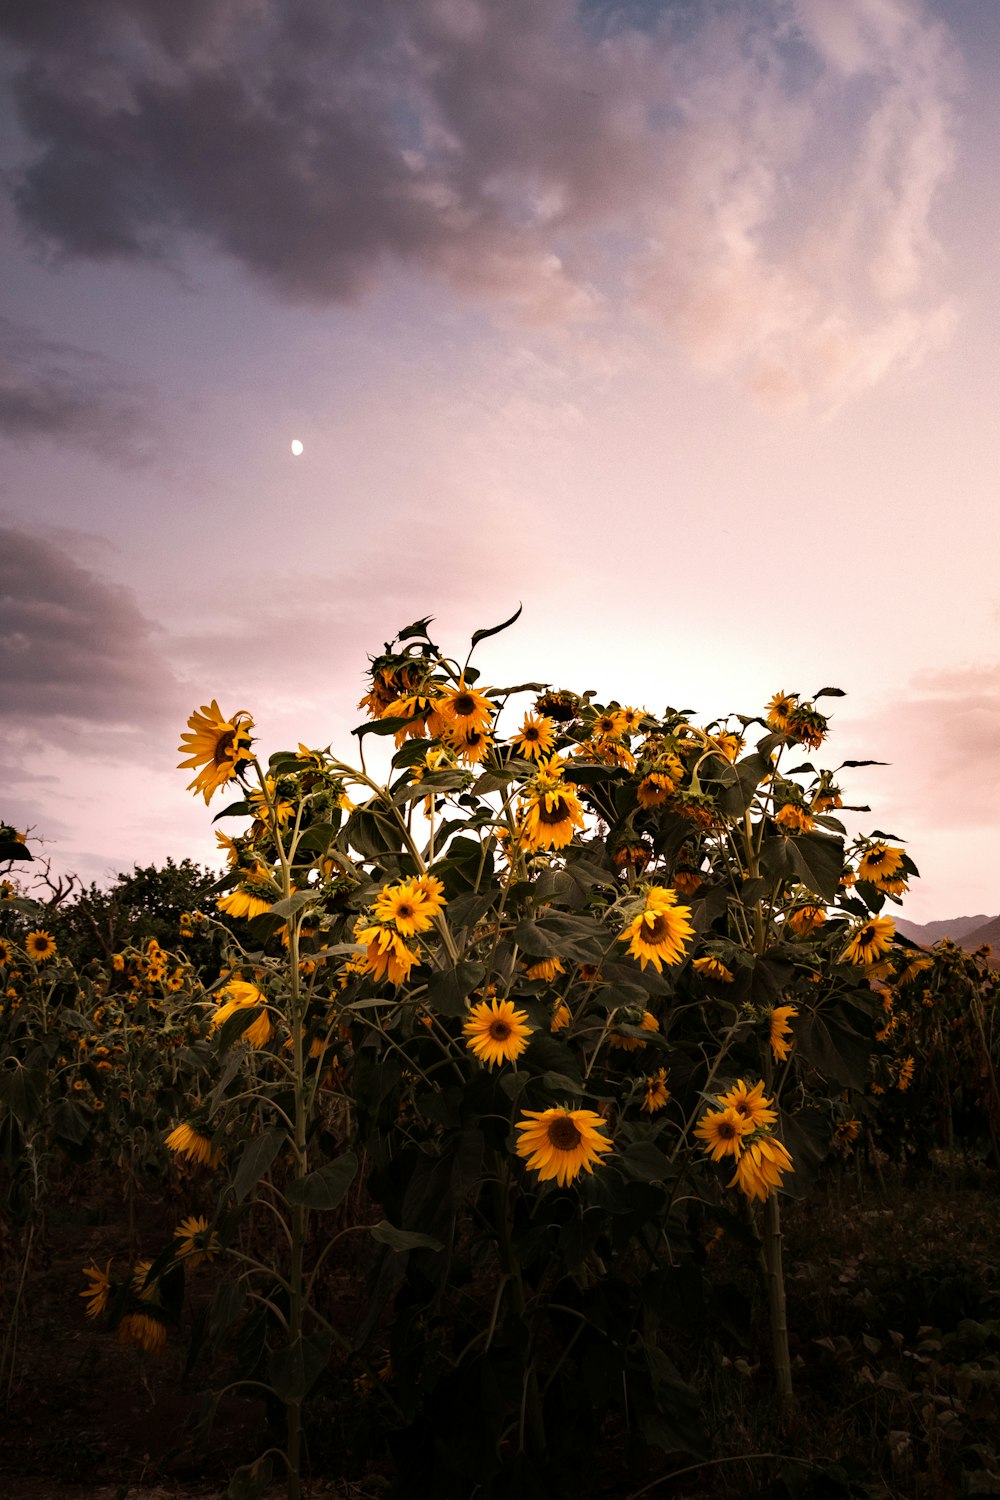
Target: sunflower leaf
[234, 810]
[481, 635]
[402, 1239]
[418, 628]
[327, 1187]
[251, 1480]
[291, 904]
[256, 1160]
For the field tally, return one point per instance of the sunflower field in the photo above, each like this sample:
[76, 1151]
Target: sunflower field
[478, 1094]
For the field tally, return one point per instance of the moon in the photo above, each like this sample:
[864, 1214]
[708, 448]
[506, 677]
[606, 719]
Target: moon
[297, 447]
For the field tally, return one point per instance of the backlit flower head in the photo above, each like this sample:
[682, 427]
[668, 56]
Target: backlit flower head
[659, 933]
[465, 709]
[406, 906]
[760, 1168]
[193, 1140]
[870, 941]
[657, 1093]
[238, 995]
[537, 737]
[217, 744]
[551, 814]
[561, 1143]
[721, 1132]
[750, 1102]
[98, 1293]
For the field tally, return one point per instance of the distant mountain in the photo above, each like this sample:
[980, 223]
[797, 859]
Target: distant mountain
[988, 933]
[956, 928]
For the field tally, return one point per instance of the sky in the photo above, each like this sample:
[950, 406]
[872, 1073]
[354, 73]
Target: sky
[675, 322]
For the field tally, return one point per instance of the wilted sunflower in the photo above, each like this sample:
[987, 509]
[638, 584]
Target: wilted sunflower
[658, 934]
[217, 744]
[905, 1076]
[98, 1293]
[780, 1031]
[194, 1241]
[496, 1032]
[190, 1139]
[561, 1017]
[750, 1103]
[146, 1329]
[551, 813]
[870, 941]
[713, 968]
[795, 818]
[760, 1167]
[687, 881]
[845, 1133]
[654, 789]
[806, 919]
[561, 1143]
[406, 906]
[39, 946]
[537, 737]
[238, 995]
[657, 1092]
[721, 1132]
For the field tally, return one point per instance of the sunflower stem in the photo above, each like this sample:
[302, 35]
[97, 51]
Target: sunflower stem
[776, 1304]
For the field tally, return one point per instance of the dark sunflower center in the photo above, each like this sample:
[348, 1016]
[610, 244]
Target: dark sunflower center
[473, 737]
[223, 745]
[659, 930]
[742, 1108]
[563, 1134]
[500, 1030]
[727, 1130]
[531, 733]
[465, 705]
[404, 910]
[557, 813]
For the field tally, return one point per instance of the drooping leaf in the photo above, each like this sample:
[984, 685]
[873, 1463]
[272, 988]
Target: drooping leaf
[402, 1239]
[481, 635]
[327, 1187]
[294, 1370]
[257, 1158]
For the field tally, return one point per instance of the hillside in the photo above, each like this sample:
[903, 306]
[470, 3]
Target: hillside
[956, 928]
[988, 933]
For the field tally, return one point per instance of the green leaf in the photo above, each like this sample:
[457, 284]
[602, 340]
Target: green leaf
[447, 992]
[382, 726]
[316, 840]
[829, 692]
[234, 810]
[418, 628]
[251, 1480]
[235, 1025]
[369, 834]
[481, 635]
[811, 859]
[25, 907]
[646, 1162]
[12, 849]
[832, 1046]
[291, 904]
[294, 1370]
[256, 1160]
[21, 1090]
[327, 1187]
[431, 784]
[403, 1239]
[72, 1121]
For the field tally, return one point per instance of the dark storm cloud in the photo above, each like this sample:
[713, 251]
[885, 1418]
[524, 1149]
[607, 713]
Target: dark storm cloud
[50, 389]
[548, 155]
[72, 646]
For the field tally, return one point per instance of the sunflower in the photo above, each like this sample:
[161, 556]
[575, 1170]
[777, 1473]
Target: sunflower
[98, 1293]
[657, 1092]
[658, 934]
[469, 743]
[561, 1017]
[750, 1103]
[721, 1132]
[806, 919]
[39, 946]
[537, 737]
[228, 847]
[562, 706]
[634, 853]
[561, 1143]
[905, 1077]
[730, 744]
[193, 1140]
[795, 818]
[6, 953]
[870, 941]
[545, 969]
[145, 1329]
[780, 1031]
[238, 995]
[632, 719]
[194, 1242]
[251, 899]
[464, 708]
[654, 789]
[760, 1167]
[551, 814]
[687, 881]
[879, 863]
[713, 968]
[845, 1133]
[624, 1043]
[432, 891]
[217, 744]
[807, 725]
[406, 907]
[609, 725]
[266, 798]
[779, 710]
[387, 957]
[496, 1032]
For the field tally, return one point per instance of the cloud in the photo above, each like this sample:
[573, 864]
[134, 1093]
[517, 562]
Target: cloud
[76, 652]
[50, 389]
[757, 178]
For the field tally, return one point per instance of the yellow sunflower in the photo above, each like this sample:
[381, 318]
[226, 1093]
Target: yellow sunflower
[721, 1132]
[406, 907]
[550, 816]
[561, 1017]
[39, 946]
[98, 1293]
[646, 1022]
[238, 995]
[251, 899]
[609, 725]
[781, 1031]
[194, 1242]
[879, 863]
[264, 798]
[845, 1133]
[469, 743]
[779, 710]
[146, 1329]
[806, 919]
[561, 1143]
[657, 1092]
[660, 931]
[713, 968]
[870, 941]
[387, 955]
[496, 1032]
[6, 953]
[794, 818]
[654, 789]
[905, 1076]
[464, 708]
[545, 968]
[217, 744]
[760, 1167]
[750, 1103]
[432, 891]
[537, 737]
[190, 1139]
[686, 882]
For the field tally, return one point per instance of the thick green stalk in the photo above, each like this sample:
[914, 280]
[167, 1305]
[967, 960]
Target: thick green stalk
[774, 1271]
